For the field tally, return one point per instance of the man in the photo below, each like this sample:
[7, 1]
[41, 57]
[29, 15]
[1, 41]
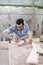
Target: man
[17, 32]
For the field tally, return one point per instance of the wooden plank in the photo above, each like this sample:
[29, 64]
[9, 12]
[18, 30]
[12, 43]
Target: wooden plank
[33, 57]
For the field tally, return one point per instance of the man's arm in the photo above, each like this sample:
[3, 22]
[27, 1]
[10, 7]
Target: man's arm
[6, 35]
[24, 37]
[8, 31]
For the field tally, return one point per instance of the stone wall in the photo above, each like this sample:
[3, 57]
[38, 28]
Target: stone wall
[9, 15]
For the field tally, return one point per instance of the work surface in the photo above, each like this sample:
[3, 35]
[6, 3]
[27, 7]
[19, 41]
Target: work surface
[19, 55]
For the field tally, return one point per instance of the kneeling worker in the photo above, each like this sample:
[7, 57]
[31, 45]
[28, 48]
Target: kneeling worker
[18, 31]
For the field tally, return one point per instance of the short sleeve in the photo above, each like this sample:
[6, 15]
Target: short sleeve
[9, 30]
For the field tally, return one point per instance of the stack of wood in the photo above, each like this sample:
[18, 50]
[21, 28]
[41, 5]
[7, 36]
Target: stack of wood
[30, 23]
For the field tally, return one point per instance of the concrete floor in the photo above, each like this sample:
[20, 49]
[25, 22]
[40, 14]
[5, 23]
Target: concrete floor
[4, 57]
[17, 56]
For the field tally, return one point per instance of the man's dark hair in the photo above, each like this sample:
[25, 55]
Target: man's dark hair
[20, 21]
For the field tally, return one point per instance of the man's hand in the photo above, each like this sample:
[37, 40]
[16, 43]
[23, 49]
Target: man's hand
[16, 40]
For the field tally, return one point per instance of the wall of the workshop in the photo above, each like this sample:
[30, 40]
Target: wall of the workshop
[9, 15]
